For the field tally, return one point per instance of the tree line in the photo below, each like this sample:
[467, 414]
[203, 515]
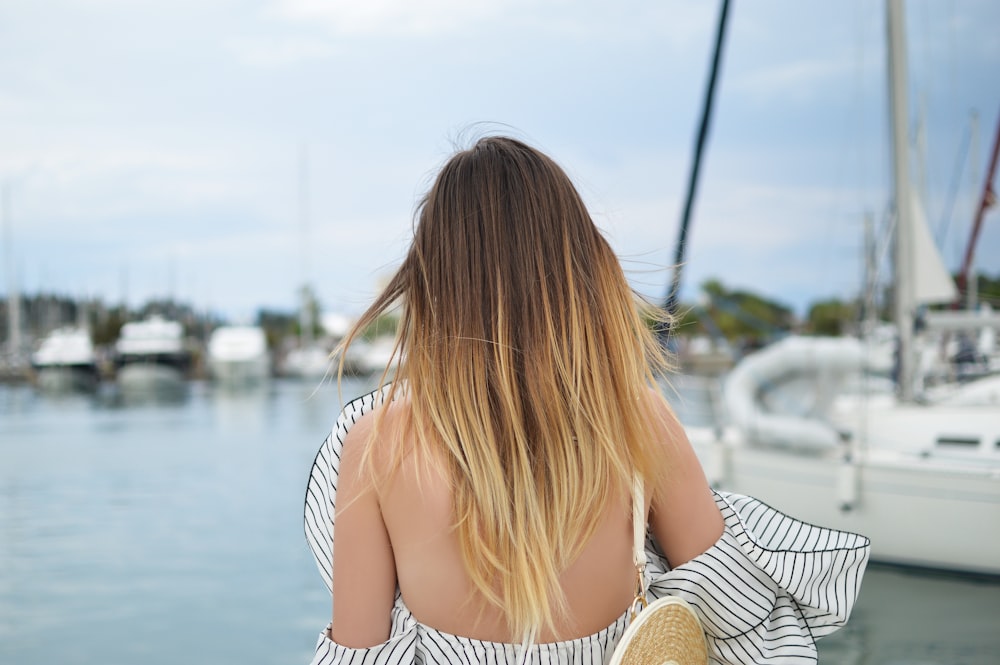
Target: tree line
[738, 314]
[730, 313]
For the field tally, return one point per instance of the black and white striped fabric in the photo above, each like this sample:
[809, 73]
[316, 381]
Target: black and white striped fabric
[764, 592]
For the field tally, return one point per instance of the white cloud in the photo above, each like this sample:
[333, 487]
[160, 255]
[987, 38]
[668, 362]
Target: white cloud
[677, 23]
[91, 181]
[760, 217]
[382, 17]
[799, 79]
[272, 51]
[171, 129]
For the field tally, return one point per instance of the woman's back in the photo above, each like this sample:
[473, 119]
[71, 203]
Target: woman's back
[416, 506]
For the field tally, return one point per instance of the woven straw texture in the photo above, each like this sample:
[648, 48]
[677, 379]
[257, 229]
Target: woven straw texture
[668, 633]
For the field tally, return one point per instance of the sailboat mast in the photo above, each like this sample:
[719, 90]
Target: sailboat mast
[965, 276]
[673, 296]
[13, 295]
[899, 125]
[306, 320]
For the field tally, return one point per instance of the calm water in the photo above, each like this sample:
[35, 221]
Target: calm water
[171, 532]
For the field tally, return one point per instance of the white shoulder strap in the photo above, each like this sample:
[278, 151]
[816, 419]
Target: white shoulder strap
[638, 524]
[639, 544]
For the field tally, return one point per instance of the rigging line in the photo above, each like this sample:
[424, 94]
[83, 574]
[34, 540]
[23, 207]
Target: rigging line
[949, 206]
[880, 259]
[838, 207]
[987, 200]
[674, 294]
[859, 96]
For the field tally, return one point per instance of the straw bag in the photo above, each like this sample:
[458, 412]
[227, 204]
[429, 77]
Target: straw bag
[666, 631]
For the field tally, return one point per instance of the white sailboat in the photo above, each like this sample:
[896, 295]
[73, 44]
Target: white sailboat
[916, 469]
[238, 356]
[310, 358]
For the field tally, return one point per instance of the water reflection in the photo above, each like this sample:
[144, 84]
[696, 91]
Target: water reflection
[913, 617]
[16, 399]
[113, 395]
[240, 408]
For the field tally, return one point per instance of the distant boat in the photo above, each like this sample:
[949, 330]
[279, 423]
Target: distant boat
[310, 361]
[151, 356]
[238, 355]
[65, 361]
[366, 358]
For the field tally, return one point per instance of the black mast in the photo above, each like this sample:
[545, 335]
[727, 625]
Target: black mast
[671, 303]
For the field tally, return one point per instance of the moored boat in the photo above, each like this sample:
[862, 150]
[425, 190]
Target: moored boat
[238, 356]
[151, 356]
[65, 361]
[808, 426]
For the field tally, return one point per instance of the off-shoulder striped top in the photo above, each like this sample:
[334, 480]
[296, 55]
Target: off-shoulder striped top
[764, 592]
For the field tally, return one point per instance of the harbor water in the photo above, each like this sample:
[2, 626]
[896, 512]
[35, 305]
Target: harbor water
[168, 531]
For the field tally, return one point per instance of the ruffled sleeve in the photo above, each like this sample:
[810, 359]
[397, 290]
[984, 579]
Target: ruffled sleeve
[769, 587]
[399, 649]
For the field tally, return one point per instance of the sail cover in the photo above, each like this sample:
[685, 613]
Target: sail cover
[932, 283]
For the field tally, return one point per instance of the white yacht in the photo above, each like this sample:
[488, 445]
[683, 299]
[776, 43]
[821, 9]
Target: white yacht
[151, 356]
[238, 355]
[812, 426]
[65, 361]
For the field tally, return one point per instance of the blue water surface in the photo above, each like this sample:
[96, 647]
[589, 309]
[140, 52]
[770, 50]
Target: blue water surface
[169, 531]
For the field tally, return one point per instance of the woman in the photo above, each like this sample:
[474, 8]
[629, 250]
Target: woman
[483, 500]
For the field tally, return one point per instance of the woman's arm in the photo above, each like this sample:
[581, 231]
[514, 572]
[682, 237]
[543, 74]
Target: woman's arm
[364, 572]
[683, 515]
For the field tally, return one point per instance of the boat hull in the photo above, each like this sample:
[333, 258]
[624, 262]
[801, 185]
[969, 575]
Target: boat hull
[65, 379]
[150, 378]
[245, 372]
[311, 362]
[917, 512]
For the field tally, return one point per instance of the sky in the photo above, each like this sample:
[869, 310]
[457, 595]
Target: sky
[225, 152]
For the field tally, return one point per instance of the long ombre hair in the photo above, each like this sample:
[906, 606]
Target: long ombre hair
[527, 363]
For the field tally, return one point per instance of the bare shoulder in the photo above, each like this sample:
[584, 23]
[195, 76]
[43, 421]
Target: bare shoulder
[375, 438]
[360, 431]
[356, 444]
[672, 436]
[678, 455]
[683, 514]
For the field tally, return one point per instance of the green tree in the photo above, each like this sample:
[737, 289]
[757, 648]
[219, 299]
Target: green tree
[831, 317]
[735, 314]
[104, 328]
[744, 314]
[988, 289]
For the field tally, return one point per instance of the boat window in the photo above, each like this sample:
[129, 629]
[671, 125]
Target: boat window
[964, 442]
